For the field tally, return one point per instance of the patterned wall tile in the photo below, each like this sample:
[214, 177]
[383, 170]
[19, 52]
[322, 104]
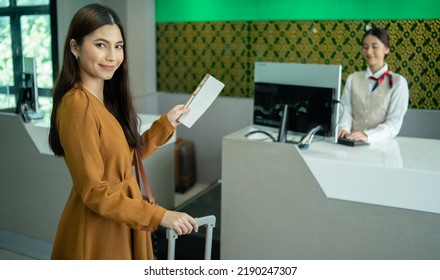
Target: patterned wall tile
[228, 50]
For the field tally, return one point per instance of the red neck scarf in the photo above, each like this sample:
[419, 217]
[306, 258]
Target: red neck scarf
[380, 79]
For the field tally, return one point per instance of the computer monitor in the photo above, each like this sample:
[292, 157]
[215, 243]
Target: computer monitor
[312, 92]
[27, 99]
[308, 107]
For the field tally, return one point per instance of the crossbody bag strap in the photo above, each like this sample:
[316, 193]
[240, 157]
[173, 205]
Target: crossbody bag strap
[140, 169]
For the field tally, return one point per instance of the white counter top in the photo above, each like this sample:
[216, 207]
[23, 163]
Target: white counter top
[398, 172]
[400, 152]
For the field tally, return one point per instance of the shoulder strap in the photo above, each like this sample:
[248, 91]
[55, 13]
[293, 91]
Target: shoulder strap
[140, 169]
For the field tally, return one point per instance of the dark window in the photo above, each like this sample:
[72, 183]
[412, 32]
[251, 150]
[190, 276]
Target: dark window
[27, 29]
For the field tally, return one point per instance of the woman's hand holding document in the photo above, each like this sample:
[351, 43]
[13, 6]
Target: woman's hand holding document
[202, 97]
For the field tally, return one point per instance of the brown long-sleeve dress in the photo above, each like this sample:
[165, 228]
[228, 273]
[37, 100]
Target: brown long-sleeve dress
[105, 216]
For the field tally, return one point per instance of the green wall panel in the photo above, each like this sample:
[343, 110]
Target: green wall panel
[228, 50]
[257, 10]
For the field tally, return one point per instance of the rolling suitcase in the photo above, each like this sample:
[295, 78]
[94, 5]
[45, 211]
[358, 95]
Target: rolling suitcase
[185, 165]
[208, 222]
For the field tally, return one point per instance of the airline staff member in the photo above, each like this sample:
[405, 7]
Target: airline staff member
[375, 100]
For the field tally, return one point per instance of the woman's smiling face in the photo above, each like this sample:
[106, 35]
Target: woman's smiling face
[100, 54]
[374, 51]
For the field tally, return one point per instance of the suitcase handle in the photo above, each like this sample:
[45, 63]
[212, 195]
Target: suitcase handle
[208, 222]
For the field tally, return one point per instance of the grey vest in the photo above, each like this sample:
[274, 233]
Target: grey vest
[370, 109]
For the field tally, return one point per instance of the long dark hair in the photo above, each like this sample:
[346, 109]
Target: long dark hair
[117, 94]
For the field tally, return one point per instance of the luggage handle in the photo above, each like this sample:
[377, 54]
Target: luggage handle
[208, 222]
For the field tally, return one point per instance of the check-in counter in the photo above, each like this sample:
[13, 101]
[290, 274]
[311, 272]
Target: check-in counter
[330, 201]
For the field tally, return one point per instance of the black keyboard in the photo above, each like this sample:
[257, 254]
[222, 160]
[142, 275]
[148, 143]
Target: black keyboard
[348, 142]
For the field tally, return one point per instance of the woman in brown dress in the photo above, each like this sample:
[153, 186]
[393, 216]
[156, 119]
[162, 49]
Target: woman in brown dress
[95, 128]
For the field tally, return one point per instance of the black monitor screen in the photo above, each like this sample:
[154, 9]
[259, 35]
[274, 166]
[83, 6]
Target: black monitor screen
[27, 96]
[309, 106]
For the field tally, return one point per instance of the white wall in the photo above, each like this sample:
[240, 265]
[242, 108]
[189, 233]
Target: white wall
[421, 123]
[140, 29]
